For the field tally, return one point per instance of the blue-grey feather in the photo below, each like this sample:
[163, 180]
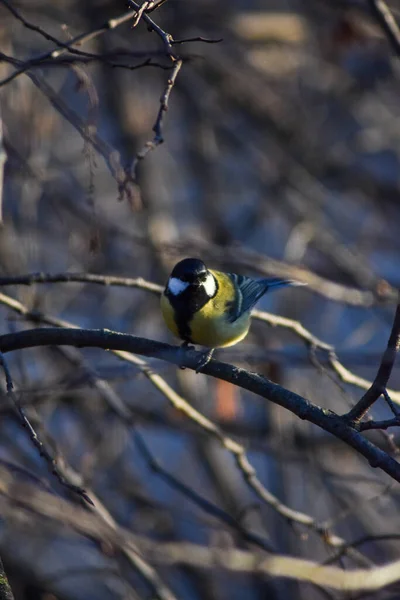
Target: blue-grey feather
[249, 291]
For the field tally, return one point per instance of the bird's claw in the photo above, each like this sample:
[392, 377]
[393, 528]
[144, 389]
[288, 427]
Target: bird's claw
[204, 360]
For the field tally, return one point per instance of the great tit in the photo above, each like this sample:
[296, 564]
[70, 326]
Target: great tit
[211, 308]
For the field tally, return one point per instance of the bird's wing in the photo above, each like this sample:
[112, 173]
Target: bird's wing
[249, 291]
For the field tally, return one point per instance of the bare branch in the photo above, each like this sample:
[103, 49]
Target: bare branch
[180, 404]
[5, 589]
[37, 442]
[271, 319]
[3, 158]
[368, 425]
[205, 504]
[71, 59]
[157, 128]
[247, 380]
[388, 23]
[62, 47]
[197, 39]
[165, 37]
[38, 503]
[126, 178]
[107, 280]
[378, 387]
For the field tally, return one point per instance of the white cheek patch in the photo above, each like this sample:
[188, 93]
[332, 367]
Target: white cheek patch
[210, 286]
[177, 286]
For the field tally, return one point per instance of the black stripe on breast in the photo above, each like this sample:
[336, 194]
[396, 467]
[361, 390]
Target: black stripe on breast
[186, 304]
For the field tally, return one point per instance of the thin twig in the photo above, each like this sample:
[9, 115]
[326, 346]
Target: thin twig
[388, 23]
[62, 47]
[359, 542]
[133, 555]
[110, 155]
[107, 280]
[68, 60]
[126, 178]
[158, 138]
[385, 424]
[37, 442]
[38, 503]
[199, 38]
[205, 504]
[144, 7]
[395, 409]
[5, 588]
[165, 37]
[24, 496]
[380, 382]
[177, 62]
[3, 158]
[112, 399]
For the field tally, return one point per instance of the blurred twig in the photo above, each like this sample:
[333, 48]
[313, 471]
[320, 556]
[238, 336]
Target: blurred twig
[52, 507]
[37, 442]
[125, 178]
[106, 280]
[3, 158]
[95, 504]
[216, 511]
[388, 23]
[38, 503]
[109, 59]
[62, 47]
[361, 541]
[380, 292]
[5, 589]
[118, 406]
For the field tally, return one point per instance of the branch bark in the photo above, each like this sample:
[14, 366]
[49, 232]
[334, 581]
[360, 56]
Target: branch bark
[253, 382]
[5, 589]
[380, 382]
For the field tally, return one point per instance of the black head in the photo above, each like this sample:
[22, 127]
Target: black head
[190, 286]
[190, 270]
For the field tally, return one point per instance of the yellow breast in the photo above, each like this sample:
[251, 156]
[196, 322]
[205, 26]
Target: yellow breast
[210, 325]
[217, 332]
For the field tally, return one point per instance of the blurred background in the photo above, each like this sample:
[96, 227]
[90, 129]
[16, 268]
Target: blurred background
[281, 157]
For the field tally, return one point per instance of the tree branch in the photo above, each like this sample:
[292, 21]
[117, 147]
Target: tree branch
[180, 404]
[253, 382]
[380, 382]
[38, 504]
[37, 442]
[387, 22]
[271, 319]
[5, 589]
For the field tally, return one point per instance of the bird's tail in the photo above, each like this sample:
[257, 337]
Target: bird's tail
[275, 282]
[249, 291]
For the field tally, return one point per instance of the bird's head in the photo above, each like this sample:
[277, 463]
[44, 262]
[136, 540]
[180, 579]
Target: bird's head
[191, 274]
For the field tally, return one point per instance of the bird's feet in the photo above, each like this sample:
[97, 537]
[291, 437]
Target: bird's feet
[204, 360]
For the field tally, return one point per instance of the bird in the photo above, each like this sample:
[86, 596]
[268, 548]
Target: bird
[211, 308]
